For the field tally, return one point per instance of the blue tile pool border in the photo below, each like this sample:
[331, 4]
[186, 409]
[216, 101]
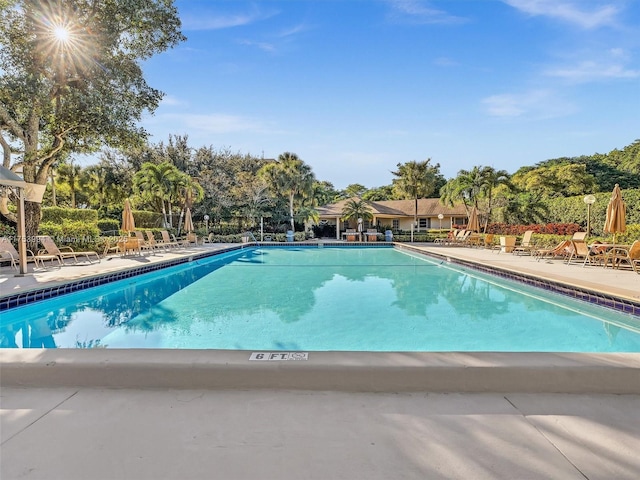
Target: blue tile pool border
[46, 293]
[598, 298]
[613, 302]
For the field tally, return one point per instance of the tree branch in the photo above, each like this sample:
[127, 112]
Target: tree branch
[14, 126]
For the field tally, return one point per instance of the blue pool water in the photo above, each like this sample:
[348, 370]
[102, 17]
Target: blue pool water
[314, 299]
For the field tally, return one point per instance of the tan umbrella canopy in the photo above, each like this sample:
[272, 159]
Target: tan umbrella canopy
[616, 214]
[188, 222]
[128, 223]
[474, 223]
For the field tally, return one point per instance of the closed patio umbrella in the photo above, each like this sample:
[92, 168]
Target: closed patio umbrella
[615, 221]
[474, 223]
[188, 222]
[128, 223]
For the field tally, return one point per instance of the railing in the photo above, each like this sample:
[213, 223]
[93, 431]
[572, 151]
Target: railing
[250, 235]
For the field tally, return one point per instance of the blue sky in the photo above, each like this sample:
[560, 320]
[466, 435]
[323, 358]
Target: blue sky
[355, 87]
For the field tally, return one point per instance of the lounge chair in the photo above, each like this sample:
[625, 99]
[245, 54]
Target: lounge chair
[112, 245]
[151, 240]
[461, 238]
[167, 240]
[619, 255]
[579, 236]
[9, 253]
[525, 246]
[143, 243]
[64, 252]
[562, 250]
[190, 239]
[450, 236]
[208, 239]
[580, 250]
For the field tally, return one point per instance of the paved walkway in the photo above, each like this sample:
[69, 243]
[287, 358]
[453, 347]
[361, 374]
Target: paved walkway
[93, 433]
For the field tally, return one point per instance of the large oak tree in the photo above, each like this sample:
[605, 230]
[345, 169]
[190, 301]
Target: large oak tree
[71, 78]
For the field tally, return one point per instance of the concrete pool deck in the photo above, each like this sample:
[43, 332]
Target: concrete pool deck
[66, 424]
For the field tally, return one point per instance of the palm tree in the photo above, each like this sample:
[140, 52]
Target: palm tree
[355, 208]
[492, 178]
[416, 180]
[289, 177]
[155, 182]
[70, 174]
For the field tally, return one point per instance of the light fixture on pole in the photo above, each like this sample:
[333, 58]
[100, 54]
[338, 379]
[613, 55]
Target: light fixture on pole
[440, 217]
[589, 200]
[360, 228]
[206, 223]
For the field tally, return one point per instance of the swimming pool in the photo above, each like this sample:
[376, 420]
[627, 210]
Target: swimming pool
[320, 299]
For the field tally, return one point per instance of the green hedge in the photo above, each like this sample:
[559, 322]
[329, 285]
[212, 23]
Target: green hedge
[58, 214]
[78, 235]
[109, 225]
[144, 219]
[573, 209]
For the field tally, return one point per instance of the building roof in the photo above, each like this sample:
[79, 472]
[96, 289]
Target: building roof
[427, 207]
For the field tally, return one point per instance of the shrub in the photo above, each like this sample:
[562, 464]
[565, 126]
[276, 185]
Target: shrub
[76, 234]
[59, 214]
[549, 228]
[109, 225]
[145, 219]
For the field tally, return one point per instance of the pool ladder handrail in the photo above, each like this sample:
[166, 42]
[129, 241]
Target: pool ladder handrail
[250, 235]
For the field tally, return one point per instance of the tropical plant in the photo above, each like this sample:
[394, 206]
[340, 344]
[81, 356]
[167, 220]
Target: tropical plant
[416, 180]
[290, 177]
[156, 184]
[356, 208]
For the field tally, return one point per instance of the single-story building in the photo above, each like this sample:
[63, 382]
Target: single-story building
[397, 215]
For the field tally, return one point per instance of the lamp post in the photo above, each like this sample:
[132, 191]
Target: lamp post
[206, 223]
[360, 228]
[589, 200]
[440, 217]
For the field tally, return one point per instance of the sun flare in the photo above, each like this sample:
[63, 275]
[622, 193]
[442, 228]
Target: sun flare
[61, 34]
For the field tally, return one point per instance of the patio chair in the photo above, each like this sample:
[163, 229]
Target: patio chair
[64, 252]
[151, 240]
[619, 255]
[9, 253]
[526, 245]
[190, 239]
[562, 250]
[112, 245]
[168, 241]
[581, 251]
[143, 243]
[461, 239]
[579, 236]
[450, 236]
[208, 239]
[489, 242]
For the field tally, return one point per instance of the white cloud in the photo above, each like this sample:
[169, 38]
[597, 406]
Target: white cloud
[207, 20]
[610, 65]
[532, 104]
[588, 71]
[419, 11]
[572, 12]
